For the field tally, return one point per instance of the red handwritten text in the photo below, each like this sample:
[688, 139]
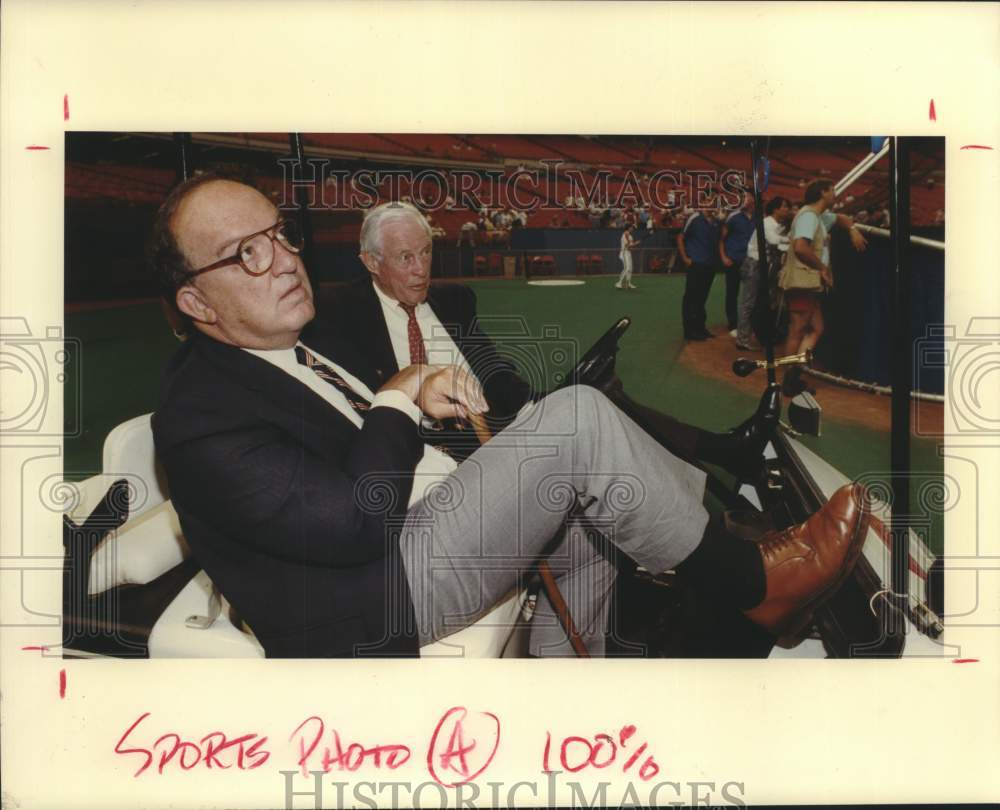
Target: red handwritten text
[214, 750]
[309, 734]
[455, 745]
[577, 753]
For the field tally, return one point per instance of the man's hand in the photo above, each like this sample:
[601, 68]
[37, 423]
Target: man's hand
[408, 381]
[727, 261]
[687, 261]
[857, 239]
[826, 277]
[441, 392]
[450, 391]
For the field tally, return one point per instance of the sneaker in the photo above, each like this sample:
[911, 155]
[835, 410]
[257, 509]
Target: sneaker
[632, 287]
[618, 286]
[733, 333]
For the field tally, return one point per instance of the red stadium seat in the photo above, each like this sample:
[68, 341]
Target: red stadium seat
[543, 265]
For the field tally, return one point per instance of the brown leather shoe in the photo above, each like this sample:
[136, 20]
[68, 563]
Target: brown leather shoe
[805, 564]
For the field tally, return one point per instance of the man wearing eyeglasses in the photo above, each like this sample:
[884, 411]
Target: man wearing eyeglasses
[303, 492]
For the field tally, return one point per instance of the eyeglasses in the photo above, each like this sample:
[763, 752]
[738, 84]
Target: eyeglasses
[255, 253]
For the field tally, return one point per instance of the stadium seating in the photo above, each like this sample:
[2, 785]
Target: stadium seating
[585, 160]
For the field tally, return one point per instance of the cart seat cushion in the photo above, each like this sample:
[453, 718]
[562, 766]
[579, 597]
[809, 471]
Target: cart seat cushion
[141, 550]
[173, 638]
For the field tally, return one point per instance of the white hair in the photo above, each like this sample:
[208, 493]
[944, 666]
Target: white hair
[381, 215]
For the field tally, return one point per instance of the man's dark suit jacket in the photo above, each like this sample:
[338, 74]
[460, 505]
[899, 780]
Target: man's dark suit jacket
[285, 502]
[354, 313]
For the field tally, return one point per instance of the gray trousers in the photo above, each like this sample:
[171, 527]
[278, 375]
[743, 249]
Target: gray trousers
[572, 479]
[749, 282]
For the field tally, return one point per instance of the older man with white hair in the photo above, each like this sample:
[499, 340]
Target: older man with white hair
[395, 317]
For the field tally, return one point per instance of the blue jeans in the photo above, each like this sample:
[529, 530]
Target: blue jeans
[749, 281]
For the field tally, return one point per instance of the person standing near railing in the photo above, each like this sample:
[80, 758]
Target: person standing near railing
[806, 273]
[625, 254]
[736, 232]
[779, 214]
[698, 246]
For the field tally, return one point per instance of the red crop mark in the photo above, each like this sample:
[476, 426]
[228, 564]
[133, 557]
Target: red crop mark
[62, 683]
[965, 661]
[34, 148]
[931, 113]
[66, 107]
[976, 146]
[39, 648]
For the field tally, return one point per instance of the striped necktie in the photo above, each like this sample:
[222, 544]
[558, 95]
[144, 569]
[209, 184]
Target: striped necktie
[358, 402]
[308, 359]
[418, 353]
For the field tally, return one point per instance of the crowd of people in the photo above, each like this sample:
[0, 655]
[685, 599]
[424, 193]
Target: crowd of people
[713, 240]
[798, 241]
[493, 227]
[615, 217]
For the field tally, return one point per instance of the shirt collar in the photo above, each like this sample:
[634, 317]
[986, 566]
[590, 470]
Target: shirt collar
[392, 305]
[282, 358]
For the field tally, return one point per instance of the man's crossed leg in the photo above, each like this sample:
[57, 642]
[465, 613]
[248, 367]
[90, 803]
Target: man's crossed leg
[584, 476]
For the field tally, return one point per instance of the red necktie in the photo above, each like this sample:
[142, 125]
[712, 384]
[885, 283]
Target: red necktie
[418, 354]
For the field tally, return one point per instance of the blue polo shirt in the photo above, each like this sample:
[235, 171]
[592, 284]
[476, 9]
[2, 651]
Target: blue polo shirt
[739, 229]
[701, 239]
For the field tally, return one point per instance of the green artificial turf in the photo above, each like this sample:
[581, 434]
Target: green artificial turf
[123, 351]
[543, 329]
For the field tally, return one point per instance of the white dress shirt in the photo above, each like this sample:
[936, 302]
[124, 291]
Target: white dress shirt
[441, 349]
[773, 235]
[432, 467]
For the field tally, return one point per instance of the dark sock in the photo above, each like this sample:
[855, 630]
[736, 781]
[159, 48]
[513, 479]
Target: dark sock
[726, 567]
[681, 439]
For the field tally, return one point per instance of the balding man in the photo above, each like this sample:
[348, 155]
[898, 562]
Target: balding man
[303, 491]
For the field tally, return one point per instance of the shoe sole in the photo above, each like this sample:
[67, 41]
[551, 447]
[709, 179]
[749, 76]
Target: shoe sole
[790, 637]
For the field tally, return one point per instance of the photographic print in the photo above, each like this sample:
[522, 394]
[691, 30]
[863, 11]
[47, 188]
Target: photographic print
[366, 368]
